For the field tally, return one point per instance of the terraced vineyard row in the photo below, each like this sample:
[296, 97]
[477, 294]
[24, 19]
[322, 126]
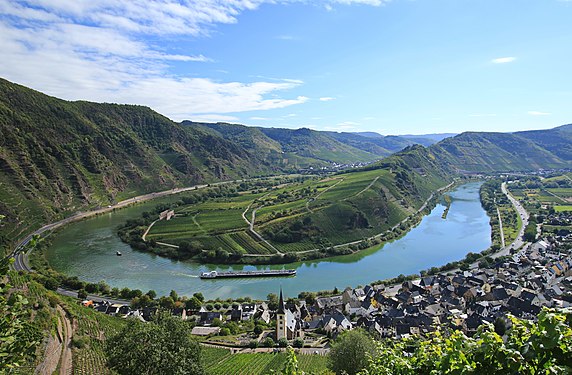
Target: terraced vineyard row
[245, 240]
[265, 363]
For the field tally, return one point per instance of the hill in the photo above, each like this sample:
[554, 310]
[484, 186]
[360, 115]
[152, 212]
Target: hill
[58, 156]
[306, 147]
[293, 148]
[296, 218]
[558, 140]
[503, 152]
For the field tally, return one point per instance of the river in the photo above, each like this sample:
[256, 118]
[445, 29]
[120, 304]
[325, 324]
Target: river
[87, 249]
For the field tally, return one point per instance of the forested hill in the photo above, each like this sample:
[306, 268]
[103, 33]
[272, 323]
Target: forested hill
[500, 152]
[58, 156]
[306, 147]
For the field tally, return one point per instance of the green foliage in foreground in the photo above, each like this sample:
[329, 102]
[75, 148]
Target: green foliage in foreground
[544, 347]
[350, 352]
[18, 339]
[161, 347]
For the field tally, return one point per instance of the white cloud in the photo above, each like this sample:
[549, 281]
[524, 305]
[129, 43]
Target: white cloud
[101, 51]
[538, 113]
[213, 118]
[503, 60]
[344, 126]
[258, 118]
[327, 99]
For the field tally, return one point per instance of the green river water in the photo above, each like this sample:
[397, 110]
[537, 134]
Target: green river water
[87, 249]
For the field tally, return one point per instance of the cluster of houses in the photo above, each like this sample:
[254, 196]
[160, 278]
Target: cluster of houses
[540, 274]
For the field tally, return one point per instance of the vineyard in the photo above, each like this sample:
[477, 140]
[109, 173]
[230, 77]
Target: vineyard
[220, 362]
[299, 215]
[91, 330]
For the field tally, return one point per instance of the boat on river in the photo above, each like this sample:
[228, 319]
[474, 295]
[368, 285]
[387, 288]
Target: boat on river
[266, 273]
[118, 253]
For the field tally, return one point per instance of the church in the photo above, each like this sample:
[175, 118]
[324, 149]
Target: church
[288, 325]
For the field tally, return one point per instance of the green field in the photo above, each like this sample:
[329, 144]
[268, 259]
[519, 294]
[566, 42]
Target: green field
[300, 215]
[218, 361]
[563, 208]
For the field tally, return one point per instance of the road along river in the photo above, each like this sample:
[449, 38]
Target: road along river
[87, 249]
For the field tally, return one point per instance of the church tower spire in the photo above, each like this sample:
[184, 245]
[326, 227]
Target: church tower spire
[281, 318]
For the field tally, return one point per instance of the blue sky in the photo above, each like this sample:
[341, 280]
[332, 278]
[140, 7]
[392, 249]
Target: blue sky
[395, 67]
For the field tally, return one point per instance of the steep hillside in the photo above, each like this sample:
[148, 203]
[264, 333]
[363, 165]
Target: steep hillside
[558, 140]
[382, 145]
[295, 148]
[58, 156]
[495, 152]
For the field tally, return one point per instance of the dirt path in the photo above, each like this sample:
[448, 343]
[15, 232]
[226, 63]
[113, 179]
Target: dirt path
[364, 189]
[258, 235]
[322, 192]
[58, 349]
[51, 356]
[147, 230]
[66, 367]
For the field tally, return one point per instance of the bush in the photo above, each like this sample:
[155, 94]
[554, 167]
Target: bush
[268, 342]
[224, 332]
[298, 343]
[283, 342]
[253, 344]
[79, 342]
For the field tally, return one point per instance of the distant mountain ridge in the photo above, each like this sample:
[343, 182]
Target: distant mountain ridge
[306, 146]
[503, 152]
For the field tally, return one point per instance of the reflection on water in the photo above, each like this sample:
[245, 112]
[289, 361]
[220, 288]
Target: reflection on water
[87, 250]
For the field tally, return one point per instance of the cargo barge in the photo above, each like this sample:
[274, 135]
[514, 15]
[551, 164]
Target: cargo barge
[216, 275]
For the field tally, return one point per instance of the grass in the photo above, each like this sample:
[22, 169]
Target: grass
[563, 208]
[219, 361]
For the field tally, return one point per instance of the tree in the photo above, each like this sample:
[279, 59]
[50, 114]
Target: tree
[152, 294]
[166, 303]
[298, 343]
[283, 342]
[350, 351]
[268, 342]
[174, 295]
[193, 303]
[161, 347]
[199, 296]
[82, 294]
[272, 301]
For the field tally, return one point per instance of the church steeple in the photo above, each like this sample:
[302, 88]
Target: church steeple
[281, 323]
[281, 306]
